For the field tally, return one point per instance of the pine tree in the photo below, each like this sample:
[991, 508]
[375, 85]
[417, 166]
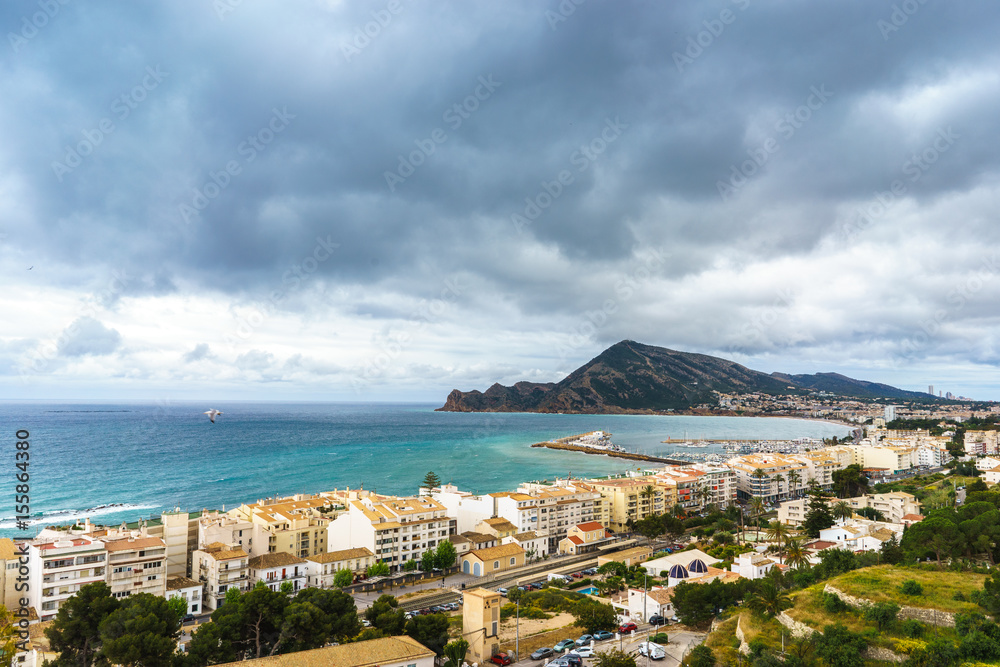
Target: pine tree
[431, 481]
[818, 517]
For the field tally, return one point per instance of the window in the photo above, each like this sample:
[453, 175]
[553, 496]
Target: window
[496, 565]
[512, 560]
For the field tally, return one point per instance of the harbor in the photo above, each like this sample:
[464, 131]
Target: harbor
[599, 442]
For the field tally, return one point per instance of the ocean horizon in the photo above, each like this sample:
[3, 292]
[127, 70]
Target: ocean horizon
[115, 461]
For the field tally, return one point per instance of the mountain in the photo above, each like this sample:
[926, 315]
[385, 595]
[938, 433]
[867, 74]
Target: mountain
[632, 377]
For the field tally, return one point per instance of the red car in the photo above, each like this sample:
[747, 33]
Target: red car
[627, 627]
[501, 659]
[577, 575]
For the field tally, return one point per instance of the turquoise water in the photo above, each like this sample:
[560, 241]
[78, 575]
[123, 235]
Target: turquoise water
[591, 590]
[149, 457]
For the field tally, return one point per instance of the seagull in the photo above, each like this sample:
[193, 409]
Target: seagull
[31, 267]
[212, 414]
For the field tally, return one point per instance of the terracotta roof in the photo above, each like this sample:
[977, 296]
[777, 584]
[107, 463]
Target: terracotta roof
[819, 545]
[575, 540]
[502, 551]
[140, 543]
[177, 583]
[529, 535]
[371, 653]
[661, 595]
[226, 554]
[277, 559]
[478, 538]
[589, 526]
[343, 554]
[913, 517]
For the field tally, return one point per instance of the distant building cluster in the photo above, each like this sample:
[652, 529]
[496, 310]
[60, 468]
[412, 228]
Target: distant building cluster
[306, 540]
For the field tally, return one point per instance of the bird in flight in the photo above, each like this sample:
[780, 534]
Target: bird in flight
[31, 267]
[212, 414]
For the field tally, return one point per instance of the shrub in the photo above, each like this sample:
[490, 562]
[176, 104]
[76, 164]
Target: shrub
[911, 587]
[833, 604]
[660, 638]
[911, 628]
[959, 595]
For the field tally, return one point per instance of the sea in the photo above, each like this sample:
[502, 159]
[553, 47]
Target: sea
[122, 461]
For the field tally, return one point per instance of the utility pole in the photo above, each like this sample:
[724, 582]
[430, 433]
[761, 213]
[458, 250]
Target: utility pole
[517, 628]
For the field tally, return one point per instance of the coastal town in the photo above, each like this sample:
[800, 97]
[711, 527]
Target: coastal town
[355, 539]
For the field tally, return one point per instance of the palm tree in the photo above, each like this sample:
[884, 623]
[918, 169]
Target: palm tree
[757, 509]
[793, 479]
[778, 532]
[842, 510]
[768, 600]
[648, 493]
[779, 478]
[759, 475]
[795, 554]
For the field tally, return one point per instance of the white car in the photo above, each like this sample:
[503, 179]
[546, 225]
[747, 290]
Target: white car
[655, 651]
[584, 652]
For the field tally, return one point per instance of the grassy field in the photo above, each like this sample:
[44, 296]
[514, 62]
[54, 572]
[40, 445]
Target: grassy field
[881, 584]
[550, 639]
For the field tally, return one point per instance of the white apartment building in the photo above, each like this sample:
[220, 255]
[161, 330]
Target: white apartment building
[322, 568]
[893, 506]
[188, 589]
[220, 567]
[982, 442]
[395, 531]
[136, 565]
[466, 508]
[773, 481]
[59, 567]
[535, 546]
[276, 569]
[560, 505]
[216, 527]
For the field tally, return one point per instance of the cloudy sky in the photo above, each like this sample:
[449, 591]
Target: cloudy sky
[387, 199]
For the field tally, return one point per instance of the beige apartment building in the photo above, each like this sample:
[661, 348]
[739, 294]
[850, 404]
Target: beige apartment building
[220, 567]
[481, 624]
[136, 565]
[290, 525]
[624, 501]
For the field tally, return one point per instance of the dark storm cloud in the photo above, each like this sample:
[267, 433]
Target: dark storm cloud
[205, 150]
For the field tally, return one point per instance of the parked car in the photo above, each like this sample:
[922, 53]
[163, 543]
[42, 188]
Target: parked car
[603, 635]
[577, 575]
[627, 627]
[542, 653]
[654, 651]
[590, 571]
[188, 618]
[501, 659]
[656, 619]
[583, 652]
[568, 660]
[584, 640]
[502, 591]
[565, 644]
